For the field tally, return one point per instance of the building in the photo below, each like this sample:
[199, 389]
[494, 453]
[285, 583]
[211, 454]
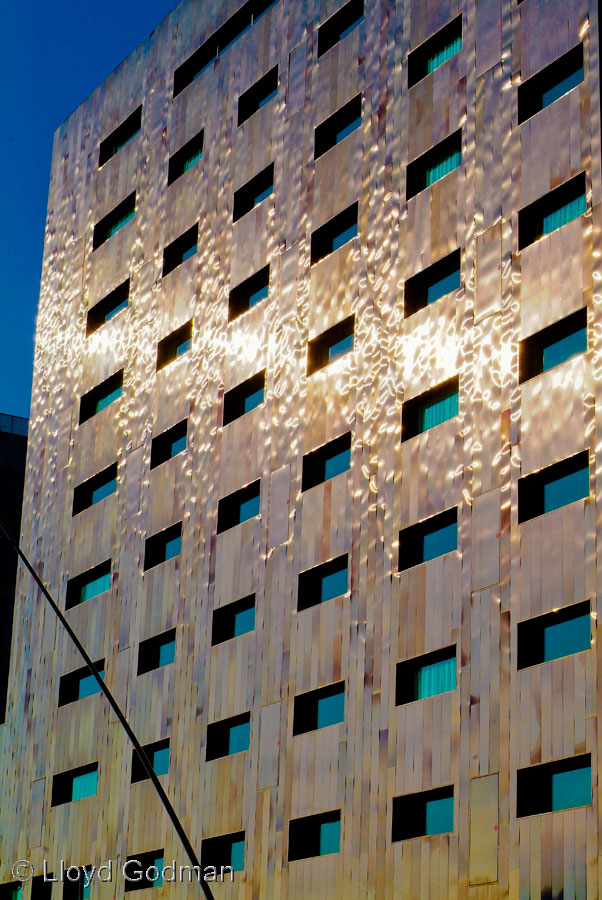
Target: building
[313, 458]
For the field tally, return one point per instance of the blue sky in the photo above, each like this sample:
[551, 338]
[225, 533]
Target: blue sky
[54, 54]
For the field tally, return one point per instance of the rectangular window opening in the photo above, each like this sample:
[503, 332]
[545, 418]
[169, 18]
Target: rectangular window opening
[248, 293]
[144, 870]
[326, 462]
[174, 345]
[319, 708]
[95, 489]
[225, 850]
[163, 546]
[425, 676]
[323, 582]
[239, 506]
[317, 835]
[114, 221]
[233, 620]
[108, 307]
[169, 443]
[78, 889]
[338, 126]
[76, 784]
[100, 397]
[339, 25]
[435, 51]
[554, 635]
[334, 234]
[433, 165]
[157, 755]
[435, 406]
[244, 398]
[553, 786]
[185, 158]
[553, 487]
[434, 282]
[183, 248]
[423, 813]
[157, 651]
[258, 95]
[120, 137]
[80, 683]
[552, 211]
[253, 192]
[428, 539]
[229, 736]
[553, 345]
[557, 79]
[88, 585]
[330, 345]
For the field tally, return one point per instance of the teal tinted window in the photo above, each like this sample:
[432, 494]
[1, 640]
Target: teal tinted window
[440, 541]
[554, 354]
[566, 213]
[105, 490]
[186, 254]
[105, 401]
[158, 863]
[253, 400]
[331, 710]
[562, 87]
[347, 130]
[237, 856]
[249, 508]
[109, 315]
[118, 225]
[183, 347]
[330, 837]
[567, 637]
[436, 678]
[441, 406]
[84, 785]
[335, 465]
[444, 53]
[572, 788]
[95, 587]
[244, 621]
[85, 891]
[167, 653]
[263, 194]
[439, 815]
[344, 236]
[255, 297]
[334, 585]
[239, 737]
[173, 547]
[443, 167]
[194, 157]
[566, 489]
[161, 761]
[443, 286]
[88, 685]
[340, 348]
[178, 445]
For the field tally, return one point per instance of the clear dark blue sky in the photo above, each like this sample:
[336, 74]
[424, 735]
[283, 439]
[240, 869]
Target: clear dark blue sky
[54, 53]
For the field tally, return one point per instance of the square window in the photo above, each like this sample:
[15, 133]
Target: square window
[553, 487]
[317, 835]
[554, 635]
[551, 83]
[158, 651]
[435, 406]
[233, 620]
[248, 293]
[174, 345]
[80, 683]
[100, 397]
[185, 158]
[169, 443]
[143, 870]
[244, 398]
[425, 676]
[180, 250]
[108, 307]
[553, 345]
[228, 736]
[163, 546]
[118, 138]
[225, 850]
[239, 507]
[423, 813]
[258, 95]
[553, 786]
[326, 462]
[253, 192]
[158, 756]
[433, 283]
[338, 126]
[338, 26]
[84, 785]
[435, 51]
[88, 585]
[330, 345]
[552, 211]
[428, 539]
[95, 489]
[433, 165]
[320, 708]
[323, 582]
[114, 221]
[338, 231]
[76, 784]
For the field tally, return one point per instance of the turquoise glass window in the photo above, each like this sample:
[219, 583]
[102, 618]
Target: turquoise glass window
[95, 587]
[105, 490]
[178, 445]
[572, 788]
[566, 489]
[440, 541]
[118, 225]
[158, 862]
[567, 637]
[85, 890]
[173, 547]
[88, 685]
[566, 213]
[442, 407]
[347, 130]
[15, 892]
[167, 653]
[444, 286]
[253, 400]
[559, 351]
[443, 167]
[335, 465]
[237, 856]
[249, 508]
[334, 585]
[263, 195]
[191, 160]
[84, 785]
[344, 236]
[436, 678]
[258, 295]
[443, 54]
[161, 761]
[340, 348]
[331, 710]
[562, 87]
[190, 251]
[109, 315]
[239, 737]
[183, 347]
[105, 401]
[439, 815]
[244, 621]
[330, 837]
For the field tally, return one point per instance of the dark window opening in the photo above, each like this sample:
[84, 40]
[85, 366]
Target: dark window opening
[435, 51]
[158, 757]
[314, 835]
[249, 292]
[143, 870]
[562, 784]
[41, 888]
[185, 157]
[553, 345]
[425, 676]
[320, 708]
[423, 813]
[95, 489]
[434, 282]
[174, 345]
[233, 620]
[78, 889]
[225, 850]
[238, 507]
[554, 635]
[253, 192]
[553, 487]
[76, 784]
[552, 211]
[330, 345]
[326, 462]
[228, 736]
[428, 539]
[244, 397]
[334, 233]
[114, 221]
[340, 25]
[433, 165]
[11, 890]
[180, 250]
[338, 126]
[258, 95]
[323, 582]
[80, 684]
[157, 651]
[100, 396]
[120, 137]
[108, 307]
[546, 86]
[169, 443]
[163, 546]
[88, 585]
[437, 405]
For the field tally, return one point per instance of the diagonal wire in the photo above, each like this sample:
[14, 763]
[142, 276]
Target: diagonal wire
[117, 710]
